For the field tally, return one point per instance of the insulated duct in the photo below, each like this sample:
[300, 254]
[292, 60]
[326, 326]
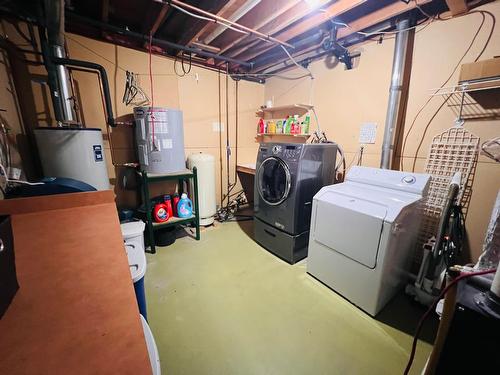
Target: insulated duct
[401, 68]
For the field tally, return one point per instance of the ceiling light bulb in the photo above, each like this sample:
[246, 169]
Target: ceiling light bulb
[314, 3]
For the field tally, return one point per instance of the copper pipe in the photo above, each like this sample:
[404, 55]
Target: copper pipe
[224, 20]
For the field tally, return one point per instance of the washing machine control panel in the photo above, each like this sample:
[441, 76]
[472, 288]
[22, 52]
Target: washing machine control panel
[292, 152]
[277, 149]
[287, 152]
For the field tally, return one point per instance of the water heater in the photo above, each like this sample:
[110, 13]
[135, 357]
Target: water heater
[205, 166]
[76, 153]
[160, 139]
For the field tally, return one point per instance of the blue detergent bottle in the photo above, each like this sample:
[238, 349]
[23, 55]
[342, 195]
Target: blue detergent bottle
[184, 207]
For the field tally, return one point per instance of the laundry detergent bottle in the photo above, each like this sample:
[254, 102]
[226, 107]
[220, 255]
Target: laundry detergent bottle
[160, 213]
[185, 206]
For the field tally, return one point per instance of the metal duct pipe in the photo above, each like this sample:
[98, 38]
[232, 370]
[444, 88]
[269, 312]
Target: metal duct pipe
[54, 15]
[64, 86]
[396, 105]
[104, 81]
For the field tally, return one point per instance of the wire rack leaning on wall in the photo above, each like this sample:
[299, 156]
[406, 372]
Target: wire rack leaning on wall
[454, 150]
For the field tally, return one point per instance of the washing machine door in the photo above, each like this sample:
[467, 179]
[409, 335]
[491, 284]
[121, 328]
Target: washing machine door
[273, 181]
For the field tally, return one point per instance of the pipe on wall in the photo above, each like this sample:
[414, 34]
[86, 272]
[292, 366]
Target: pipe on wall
[54, 18]
[401, 65]
[110, 120]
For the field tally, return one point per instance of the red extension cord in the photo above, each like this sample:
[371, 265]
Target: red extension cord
[432, 307]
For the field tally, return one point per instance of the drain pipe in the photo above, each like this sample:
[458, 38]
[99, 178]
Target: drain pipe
[397, 93]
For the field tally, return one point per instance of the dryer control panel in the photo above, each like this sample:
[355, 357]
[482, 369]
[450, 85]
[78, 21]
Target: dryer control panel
[410, 182]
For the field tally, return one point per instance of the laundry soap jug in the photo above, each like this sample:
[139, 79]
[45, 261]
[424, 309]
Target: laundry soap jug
[160, 213]
[185, 206]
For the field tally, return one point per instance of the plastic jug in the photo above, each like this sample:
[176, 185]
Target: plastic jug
[160, 213]
[184, 207]
[168, 202]
[175, 201]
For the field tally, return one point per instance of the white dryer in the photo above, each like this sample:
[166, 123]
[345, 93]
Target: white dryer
[363, 232]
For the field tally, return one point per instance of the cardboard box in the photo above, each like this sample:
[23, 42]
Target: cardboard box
[488, 95]
[480, 70]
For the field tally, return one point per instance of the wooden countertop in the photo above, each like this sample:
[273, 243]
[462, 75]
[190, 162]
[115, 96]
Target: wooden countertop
[246, 168]
[75, 311]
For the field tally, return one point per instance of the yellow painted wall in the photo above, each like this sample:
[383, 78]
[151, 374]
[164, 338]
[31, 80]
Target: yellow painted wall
[346, 99]
[196, 94]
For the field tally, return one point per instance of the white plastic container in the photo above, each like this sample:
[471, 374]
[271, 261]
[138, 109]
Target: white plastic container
[133, 233]
[154, 357]
[73, 153]
[205, 165]
[133, 238]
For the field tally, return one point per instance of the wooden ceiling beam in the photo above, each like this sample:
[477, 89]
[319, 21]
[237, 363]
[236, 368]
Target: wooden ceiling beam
[160, 18]
[105, 11]
[214, 7]
[229, 5]
[378, 16]
[334, 10]
[457, 7]
[274, 23]
[370, 20]
[273, 14]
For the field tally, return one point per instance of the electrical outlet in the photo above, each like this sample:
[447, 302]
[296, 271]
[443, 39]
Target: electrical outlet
[217, 127]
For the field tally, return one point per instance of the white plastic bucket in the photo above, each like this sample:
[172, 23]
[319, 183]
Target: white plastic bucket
[154, 357]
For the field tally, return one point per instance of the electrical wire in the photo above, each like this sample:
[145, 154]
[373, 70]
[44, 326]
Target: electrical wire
[355, 156]
[208, 19]
[152, 89]
[4, 172]
[279, 76]
[187, 71]
[431, 19]
[296, 63]
[431, 308]
[476, 34]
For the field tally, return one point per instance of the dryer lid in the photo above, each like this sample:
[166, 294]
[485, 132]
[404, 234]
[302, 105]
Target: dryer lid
[349, 225]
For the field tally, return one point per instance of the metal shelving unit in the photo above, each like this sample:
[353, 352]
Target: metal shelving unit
[460, 99]
[181, 177]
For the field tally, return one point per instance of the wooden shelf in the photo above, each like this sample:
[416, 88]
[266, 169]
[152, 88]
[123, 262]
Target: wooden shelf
[174, 221]
[283, 111]
[282, 138]
[283, 135]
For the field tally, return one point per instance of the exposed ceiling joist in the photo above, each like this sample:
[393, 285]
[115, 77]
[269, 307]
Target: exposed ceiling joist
[105, 10]
[185, 7]
[378, 16]
[273, 10]
[457, 7]
[247, 6]
[222, 12]
[276, 24]
[362, 23]
[162, 15]
[336, 9]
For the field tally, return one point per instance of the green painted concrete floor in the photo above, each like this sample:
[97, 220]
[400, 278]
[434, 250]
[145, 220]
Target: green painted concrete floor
[224, 305]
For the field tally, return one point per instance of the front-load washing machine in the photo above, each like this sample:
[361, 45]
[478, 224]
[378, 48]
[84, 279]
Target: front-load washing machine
[363, 233]
[287, 177]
